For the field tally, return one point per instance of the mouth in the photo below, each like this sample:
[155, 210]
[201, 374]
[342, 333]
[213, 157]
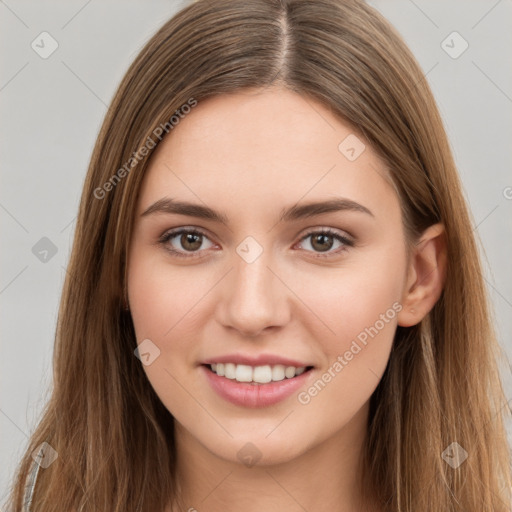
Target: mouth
[256, 375]
[240, 385]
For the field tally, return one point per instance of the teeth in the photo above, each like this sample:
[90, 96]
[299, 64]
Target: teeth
[257, 374]
[229, 371]
[243, 373]
[289, 372]
[278, 372]
[262, 374]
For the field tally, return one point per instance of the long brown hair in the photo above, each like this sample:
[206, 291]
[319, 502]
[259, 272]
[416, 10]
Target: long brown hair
[113, 436]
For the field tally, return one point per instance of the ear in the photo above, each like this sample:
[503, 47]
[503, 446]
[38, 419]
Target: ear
[425, 276]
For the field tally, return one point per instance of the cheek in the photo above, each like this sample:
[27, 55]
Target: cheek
[361, 305]
[162, 297]
[161, 306]
[354, 296]
[355, 363]
[167, 306]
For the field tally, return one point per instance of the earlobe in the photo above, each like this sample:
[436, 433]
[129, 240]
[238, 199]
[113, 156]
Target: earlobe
[426, 276]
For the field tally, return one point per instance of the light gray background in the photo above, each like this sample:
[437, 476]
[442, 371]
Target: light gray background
[51, 111]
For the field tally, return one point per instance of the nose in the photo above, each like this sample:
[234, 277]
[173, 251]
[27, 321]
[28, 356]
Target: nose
[255, 299]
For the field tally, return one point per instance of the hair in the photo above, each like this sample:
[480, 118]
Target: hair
[113, 436]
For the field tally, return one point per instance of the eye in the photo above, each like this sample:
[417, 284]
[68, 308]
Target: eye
[190, 239]
[320, 241]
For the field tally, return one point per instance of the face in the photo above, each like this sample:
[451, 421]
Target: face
[316, 287]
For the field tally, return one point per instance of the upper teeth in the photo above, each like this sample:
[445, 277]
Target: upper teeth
[259, 374]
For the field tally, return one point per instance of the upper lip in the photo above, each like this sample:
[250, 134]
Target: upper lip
[260, 360]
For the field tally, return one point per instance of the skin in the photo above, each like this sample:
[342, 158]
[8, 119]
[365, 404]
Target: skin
[291, 301]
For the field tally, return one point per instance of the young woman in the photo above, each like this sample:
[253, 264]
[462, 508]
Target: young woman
[275, 300]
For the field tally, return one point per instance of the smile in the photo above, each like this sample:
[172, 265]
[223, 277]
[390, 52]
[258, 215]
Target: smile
[251, 392]
[256, 374]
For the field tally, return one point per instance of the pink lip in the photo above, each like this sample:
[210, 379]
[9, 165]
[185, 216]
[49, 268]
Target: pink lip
[260, 360]
[254, 395]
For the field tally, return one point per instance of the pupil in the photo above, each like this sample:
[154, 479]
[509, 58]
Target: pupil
[322, 236]
[189, 237]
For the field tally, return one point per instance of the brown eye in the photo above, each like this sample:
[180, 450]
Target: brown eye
[190, 241]
[323, 240]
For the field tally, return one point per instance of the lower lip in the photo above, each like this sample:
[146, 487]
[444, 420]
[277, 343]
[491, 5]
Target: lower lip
[254, 395]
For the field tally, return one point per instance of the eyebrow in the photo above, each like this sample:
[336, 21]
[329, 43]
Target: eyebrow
[296, 212]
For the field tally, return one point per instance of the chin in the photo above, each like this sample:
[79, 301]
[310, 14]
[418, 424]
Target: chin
[256, 450]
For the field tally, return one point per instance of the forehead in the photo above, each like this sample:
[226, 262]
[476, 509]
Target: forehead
[249, 150]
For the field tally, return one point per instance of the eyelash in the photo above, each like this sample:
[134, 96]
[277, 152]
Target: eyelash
[164, 239]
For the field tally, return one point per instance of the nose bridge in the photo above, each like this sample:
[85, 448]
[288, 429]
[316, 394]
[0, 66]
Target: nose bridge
[255, 297]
